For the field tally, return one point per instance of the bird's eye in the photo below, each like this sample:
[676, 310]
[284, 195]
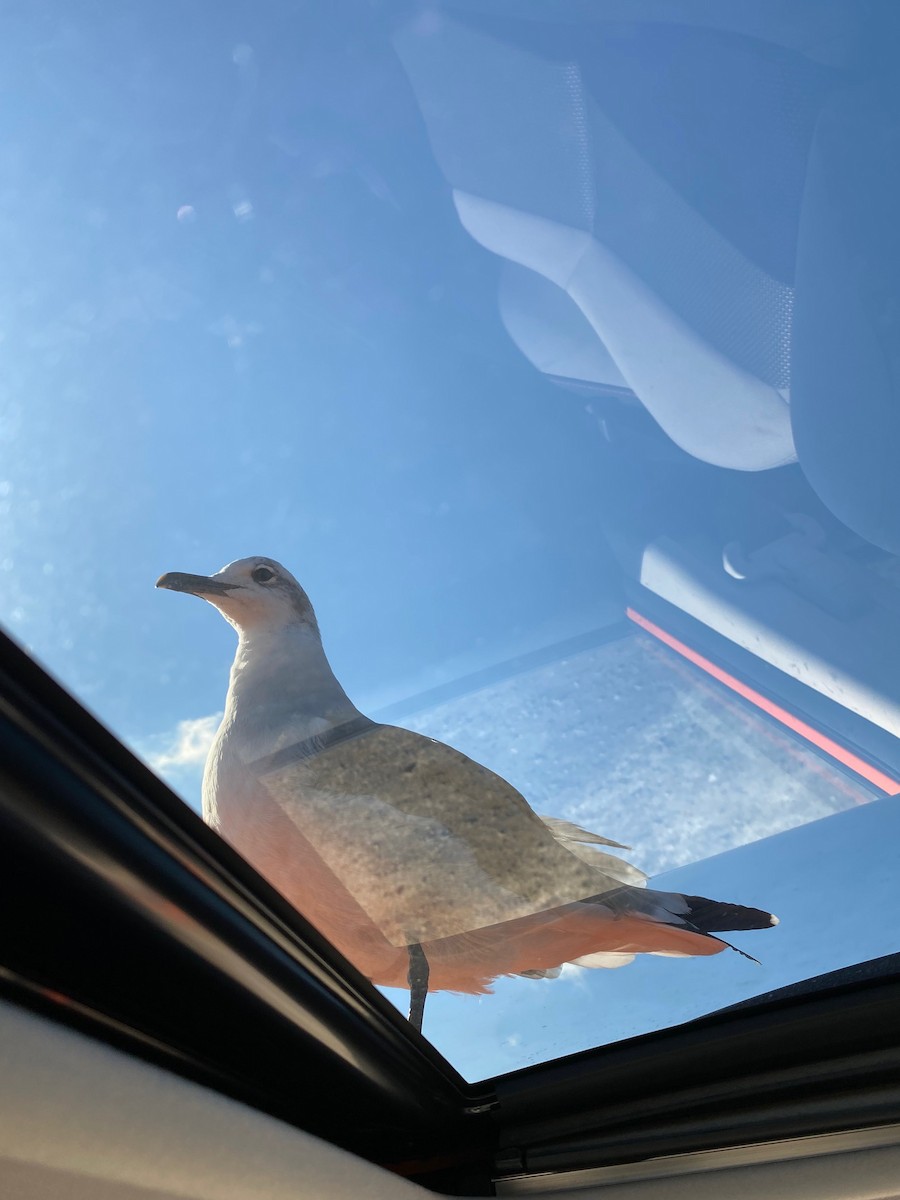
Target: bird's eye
[262, 575]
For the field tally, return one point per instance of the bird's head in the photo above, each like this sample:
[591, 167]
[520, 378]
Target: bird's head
[253, 594]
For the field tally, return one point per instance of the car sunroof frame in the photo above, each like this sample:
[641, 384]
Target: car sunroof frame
[128, 918]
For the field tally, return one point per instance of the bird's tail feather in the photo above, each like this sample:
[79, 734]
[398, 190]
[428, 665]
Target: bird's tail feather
[713, 916]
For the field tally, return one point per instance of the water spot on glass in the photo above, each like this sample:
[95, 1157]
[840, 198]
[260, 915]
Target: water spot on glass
[323, 168]
[81, 313]
[428, 23]
[235, 332]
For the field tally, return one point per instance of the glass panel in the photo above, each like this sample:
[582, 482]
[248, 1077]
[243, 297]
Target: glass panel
[553, 356]
[630, 741]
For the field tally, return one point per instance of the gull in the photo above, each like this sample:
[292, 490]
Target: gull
[424, 868]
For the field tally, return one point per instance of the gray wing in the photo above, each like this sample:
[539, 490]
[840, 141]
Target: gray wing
[431, 843]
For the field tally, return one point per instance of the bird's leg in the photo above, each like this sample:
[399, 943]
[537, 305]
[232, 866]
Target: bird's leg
[418, 985]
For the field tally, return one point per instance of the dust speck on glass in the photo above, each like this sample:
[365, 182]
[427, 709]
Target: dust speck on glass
[518, 383]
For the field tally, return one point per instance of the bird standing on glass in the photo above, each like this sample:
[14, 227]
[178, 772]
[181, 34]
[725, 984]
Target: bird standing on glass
[425, 869]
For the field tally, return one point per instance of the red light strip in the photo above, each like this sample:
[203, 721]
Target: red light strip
[830, 747]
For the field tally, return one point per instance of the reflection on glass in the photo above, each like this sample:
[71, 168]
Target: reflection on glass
[560, 354]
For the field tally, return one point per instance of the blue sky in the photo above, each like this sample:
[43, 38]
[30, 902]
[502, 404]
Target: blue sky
[239, 316]
[227, 332]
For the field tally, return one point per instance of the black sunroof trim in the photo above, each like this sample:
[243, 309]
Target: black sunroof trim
[75, 803]
[85, 828]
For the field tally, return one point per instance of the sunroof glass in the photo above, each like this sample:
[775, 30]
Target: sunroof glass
[632, 742]
[577, 657]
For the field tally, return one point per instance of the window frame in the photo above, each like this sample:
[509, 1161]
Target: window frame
[123, 899]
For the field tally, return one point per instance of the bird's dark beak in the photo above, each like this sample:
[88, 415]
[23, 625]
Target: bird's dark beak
[197, 585]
